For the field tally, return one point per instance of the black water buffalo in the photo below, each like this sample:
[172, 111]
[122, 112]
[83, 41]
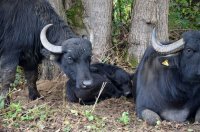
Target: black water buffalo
[119, 77]
[168, 80]
[25, 30]
[118, 83]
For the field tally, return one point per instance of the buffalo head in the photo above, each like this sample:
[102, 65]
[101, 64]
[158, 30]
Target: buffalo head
[73, 56]
[183, 54]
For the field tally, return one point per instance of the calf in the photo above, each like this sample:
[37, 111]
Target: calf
[119, 77]
[118, 84]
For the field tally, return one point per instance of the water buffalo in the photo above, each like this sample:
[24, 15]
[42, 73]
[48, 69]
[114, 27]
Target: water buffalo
[168, 80]
[118, 83]
[25, 30]
[119, 77]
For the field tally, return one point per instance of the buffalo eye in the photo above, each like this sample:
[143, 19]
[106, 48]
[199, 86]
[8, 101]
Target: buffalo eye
[189, 51]
[69, 59]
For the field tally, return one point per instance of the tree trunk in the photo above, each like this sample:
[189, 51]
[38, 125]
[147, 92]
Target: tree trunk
[49, 70]
[146, 15]
[98, 18]
[68, 3]
[59, 6]
[87, 5]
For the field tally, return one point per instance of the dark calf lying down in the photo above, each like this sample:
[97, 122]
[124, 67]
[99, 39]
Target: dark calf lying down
[88, 95]
[113, 88]
[119, 77]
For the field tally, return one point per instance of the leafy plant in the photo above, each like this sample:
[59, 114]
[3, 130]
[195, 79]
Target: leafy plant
[89, 115]
[19, 78]
[14, 111]
[124, 118]
[15, 114]
[121, 19]
[27, 118]
[184, 14]
[74, 14]
[67, 129]
[39, 112]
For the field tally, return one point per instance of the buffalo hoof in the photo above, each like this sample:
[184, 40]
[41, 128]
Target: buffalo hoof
[197, 116]
[177, 115]
[33, 95]
[150, 117]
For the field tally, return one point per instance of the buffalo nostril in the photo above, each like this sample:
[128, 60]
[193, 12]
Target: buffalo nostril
[87, 82]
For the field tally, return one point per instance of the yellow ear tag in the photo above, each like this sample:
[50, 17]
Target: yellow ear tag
[165, 63]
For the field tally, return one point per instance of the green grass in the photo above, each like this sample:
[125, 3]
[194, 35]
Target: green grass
[15, 114]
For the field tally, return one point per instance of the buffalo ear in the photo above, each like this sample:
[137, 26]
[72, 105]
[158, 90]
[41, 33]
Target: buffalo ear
[170, 60]
[85, 37]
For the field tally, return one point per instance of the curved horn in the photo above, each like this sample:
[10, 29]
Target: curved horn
[46, 43]
[165, 49]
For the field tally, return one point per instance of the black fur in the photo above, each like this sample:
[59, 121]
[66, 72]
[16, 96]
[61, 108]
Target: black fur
[118, 84]
[21, 22]
[119, 77]
[172, 92]
[88, 95]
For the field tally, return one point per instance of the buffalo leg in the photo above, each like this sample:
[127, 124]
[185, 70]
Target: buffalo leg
[150, 116]
[8, 65]
[175, 115]
[8, 77]
[197, 116]
[31, 77]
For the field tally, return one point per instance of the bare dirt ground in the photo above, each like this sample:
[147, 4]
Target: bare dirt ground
[52, 113]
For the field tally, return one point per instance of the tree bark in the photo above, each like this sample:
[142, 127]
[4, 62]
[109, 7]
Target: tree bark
[49, 70]
[146, 15]
[98, 20]
[68, 3]
[59, 6]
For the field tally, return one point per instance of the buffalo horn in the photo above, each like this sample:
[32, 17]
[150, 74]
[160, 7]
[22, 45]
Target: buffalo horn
[46, 43]
[166, 49]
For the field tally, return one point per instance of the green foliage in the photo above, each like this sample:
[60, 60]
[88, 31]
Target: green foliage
[89, 115]
[27, 118]
[124, 118]
[121, 18]
[74, 14]
[19, 78]
[184, 14]
[15, 113]
[67, 129]
[122, 10]
[133, 62]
